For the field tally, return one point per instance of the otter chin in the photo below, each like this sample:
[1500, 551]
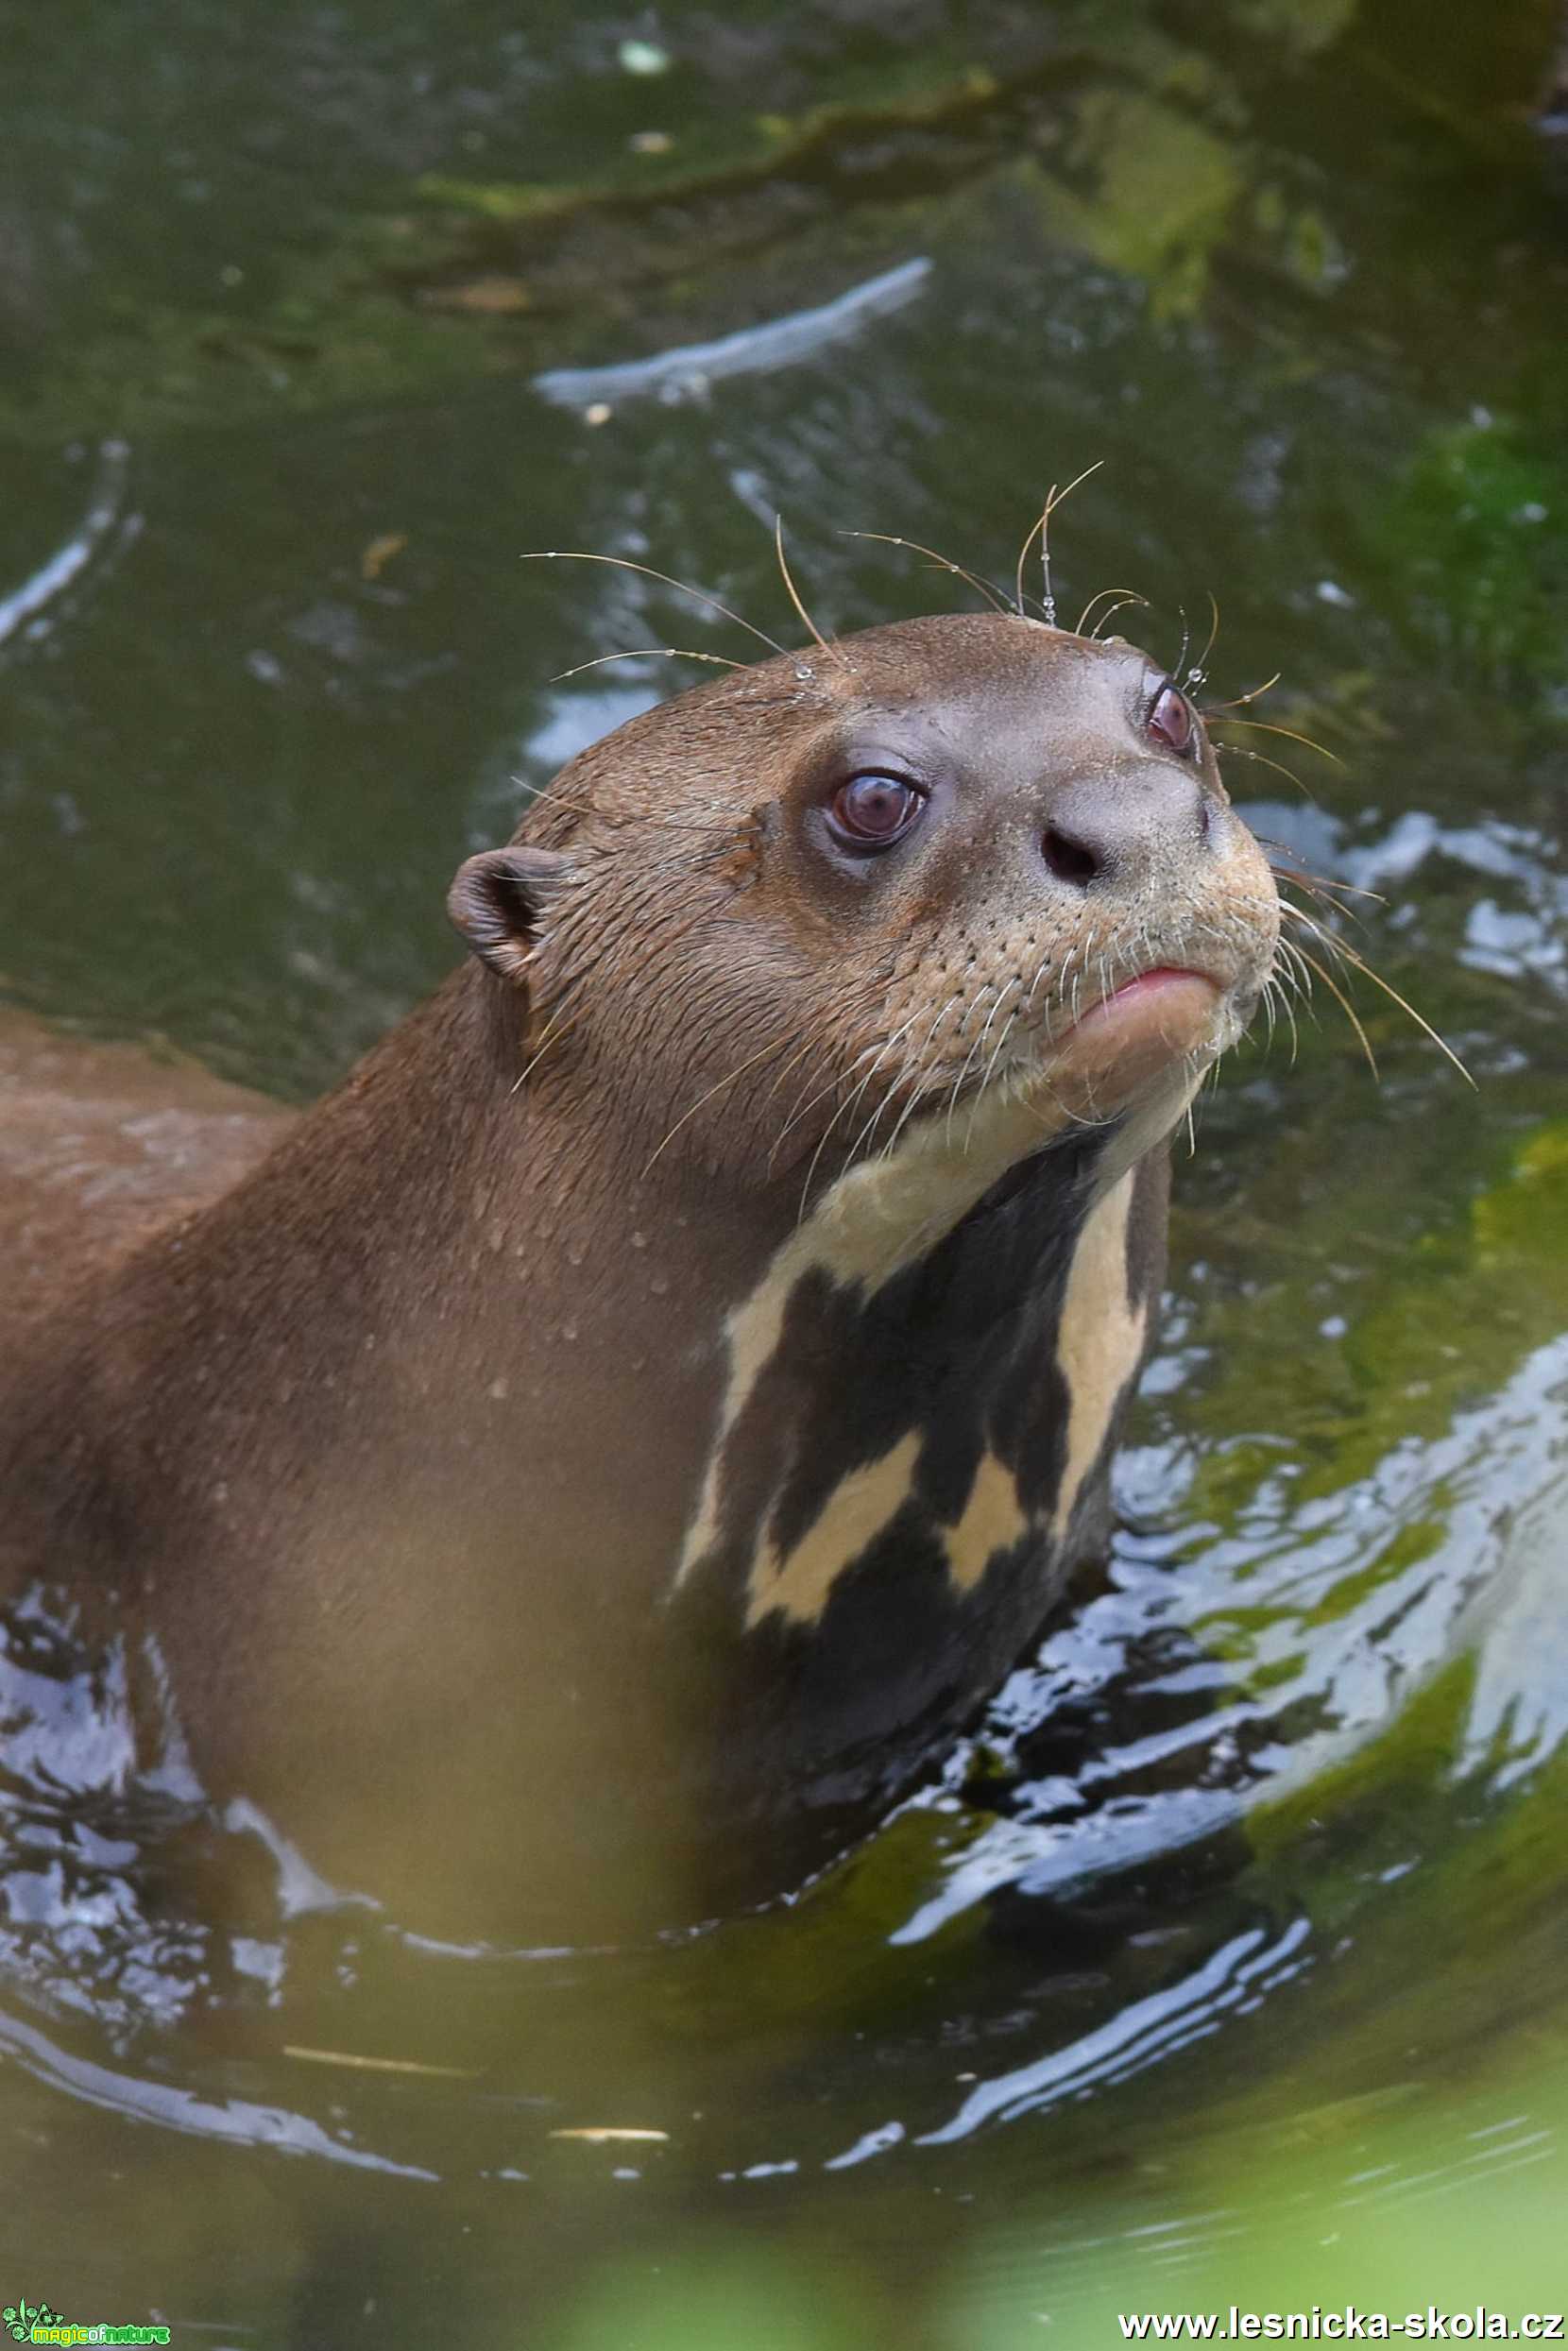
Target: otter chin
[1126, 1041]
[601, 1454]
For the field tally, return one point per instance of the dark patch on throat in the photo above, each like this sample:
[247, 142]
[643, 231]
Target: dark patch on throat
[956, 1350]
[943, 1389]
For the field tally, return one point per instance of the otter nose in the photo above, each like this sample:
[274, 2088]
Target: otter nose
[1120, 828]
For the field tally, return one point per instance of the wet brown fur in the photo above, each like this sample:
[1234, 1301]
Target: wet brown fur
[382, 1458]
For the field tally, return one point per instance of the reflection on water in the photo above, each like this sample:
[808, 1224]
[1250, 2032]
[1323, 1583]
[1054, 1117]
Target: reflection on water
[1222, 1962]
[104, 520]
[687, 372]
[1085, 1895]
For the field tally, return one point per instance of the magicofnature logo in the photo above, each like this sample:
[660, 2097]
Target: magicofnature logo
[34, 2321]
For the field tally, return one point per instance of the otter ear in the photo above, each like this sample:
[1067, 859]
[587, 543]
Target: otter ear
[498, 902]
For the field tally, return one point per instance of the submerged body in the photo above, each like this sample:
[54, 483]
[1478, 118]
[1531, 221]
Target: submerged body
[604, 1449]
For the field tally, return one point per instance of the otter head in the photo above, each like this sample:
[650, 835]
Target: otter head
[926, 899]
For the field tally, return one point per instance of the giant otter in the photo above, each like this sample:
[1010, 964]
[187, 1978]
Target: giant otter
[603, 1451]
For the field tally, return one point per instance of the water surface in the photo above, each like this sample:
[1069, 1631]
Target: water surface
[1224, 1963]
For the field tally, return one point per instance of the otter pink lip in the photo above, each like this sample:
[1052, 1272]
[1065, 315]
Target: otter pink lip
[1158, 981]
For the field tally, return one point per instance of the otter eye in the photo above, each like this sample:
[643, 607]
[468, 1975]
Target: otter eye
[872, 811]
[1171, 720]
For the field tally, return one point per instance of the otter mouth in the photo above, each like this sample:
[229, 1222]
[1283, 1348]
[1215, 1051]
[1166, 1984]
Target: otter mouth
[1131, 1037]
[1119, 1048]
[1166, 996]
[1068, 1063]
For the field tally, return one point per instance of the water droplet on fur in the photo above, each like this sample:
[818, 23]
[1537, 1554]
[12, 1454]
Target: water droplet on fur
[576, 1252]
[805, 673]
[659, 1284]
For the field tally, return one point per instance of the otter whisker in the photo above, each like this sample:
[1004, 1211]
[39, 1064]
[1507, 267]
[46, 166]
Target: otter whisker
[1099, 598]
[1348, 1009]
[548, 797]
[1241, 699]
[890, 1094]
[1264, 726]
[1045, 963]
[1295, 967]
[1078, 953]
[848, 1104]
[800, 1107]
[876, 1054]
[1042, 530]
[1298, 875]
[982, 587]
[854, 997]
[916, 1095]
[810, 1041]
[831, 1084]
[1013, 1019]
[1035, 528]
[645, 652]
[811, 1037]
[995, 1007]
[624, 563]
[836, 651]
[1104, 991]
[1339, 946]
[1065, 1117]
[916, 1098]
[555, 1027]
[1317, 889]
[1199, 671]
[1294, 963]
[1098, 632]
[775, 1044]
[1186, 640]
[1047, 597]
[1243, 751]
[968, 1060]
[889, 1097]
[990, 1067]
[1047, 1021]
[903, 1087]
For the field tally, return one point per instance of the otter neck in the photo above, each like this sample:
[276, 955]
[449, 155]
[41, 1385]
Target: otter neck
[333, 1365]
[435, 1240]
[432, 1202]
[339, 1355]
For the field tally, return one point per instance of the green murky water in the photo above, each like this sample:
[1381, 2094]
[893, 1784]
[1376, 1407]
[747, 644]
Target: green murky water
[1227, 1965]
